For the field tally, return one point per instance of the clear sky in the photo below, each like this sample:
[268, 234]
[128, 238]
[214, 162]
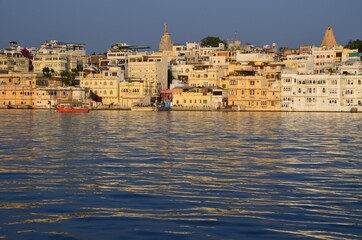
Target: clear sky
[101, 23]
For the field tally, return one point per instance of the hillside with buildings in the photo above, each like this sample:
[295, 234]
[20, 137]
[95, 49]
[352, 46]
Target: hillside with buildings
[186, 76]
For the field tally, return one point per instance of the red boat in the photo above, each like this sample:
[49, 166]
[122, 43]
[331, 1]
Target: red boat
[67, 108]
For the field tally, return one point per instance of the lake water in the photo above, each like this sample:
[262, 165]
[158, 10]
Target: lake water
[180, 175]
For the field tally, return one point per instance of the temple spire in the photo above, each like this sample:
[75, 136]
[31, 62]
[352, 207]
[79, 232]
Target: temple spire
[166, 42]
[329, 40]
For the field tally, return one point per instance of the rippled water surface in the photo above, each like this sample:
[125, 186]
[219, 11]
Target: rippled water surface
[180, 175]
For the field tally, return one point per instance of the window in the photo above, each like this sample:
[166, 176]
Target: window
[252, 92]
[232, 82]
[205, 101]
[252, 83]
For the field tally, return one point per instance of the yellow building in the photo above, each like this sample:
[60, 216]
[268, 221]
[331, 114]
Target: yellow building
[60, 56]
[14, 63]
[205, 76]
[17, 90]
[197, 98]
[104, 84]
[137, 91]
[251, 91]
[57, 62]
[48, 97]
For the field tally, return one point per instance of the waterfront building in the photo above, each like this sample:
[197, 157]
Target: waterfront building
[198, 98]
[51, 96]
[17, 90]
[104, 83]
[250, 90]
[134, 92]
[321, 92]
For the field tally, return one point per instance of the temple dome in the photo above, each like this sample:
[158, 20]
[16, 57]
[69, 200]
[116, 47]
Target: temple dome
[166, 42]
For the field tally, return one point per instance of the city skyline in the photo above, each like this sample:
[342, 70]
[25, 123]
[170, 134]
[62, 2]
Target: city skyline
[140, 22]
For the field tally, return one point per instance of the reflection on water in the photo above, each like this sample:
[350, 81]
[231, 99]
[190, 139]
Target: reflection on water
[180, 175]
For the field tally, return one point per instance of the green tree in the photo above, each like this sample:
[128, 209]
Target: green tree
[355, 44]
[212, 41]
[47, 72]
[69, 77]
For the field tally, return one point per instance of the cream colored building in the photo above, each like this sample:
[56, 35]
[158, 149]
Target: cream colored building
[150, 68]
[49, 97]
[60, 56]
[206, 76]
[300, 64]
[196, 98]
[14, 63]
[137, 91]
[104, 84]
[17, 90]
[57, 62]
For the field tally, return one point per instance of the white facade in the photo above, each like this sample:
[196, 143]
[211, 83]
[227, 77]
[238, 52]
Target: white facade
[252, 57]
[321, 92]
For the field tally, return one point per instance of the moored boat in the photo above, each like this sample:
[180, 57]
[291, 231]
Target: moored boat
[67, 108]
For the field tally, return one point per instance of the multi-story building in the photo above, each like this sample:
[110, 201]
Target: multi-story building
[321, 92]
[105, 84]
[17, 90]
[198, 98]
[60, 56]
[249, 90]
[13, 62]
[206, 76]
[50, 96]
[57, 62]
[118, 54]
[150, 68]
[300, 64]
[137, 92]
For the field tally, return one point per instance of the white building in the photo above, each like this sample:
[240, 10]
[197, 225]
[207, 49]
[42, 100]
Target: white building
[321, 92]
